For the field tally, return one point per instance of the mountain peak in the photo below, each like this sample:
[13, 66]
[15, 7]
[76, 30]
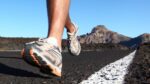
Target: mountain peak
[145, 37]
[99, 28]
[100, 34]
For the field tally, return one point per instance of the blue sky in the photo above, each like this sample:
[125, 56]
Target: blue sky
[28, 18]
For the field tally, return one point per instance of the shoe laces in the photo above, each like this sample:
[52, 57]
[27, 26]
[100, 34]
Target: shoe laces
[71, 37]
[39, 40]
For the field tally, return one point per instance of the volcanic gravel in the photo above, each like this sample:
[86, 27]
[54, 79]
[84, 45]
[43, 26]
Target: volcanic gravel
[139, 70]
[13, 70]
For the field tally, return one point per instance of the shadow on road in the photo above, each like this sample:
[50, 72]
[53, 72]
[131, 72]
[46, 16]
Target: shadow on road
[4, 69]
[4, 57]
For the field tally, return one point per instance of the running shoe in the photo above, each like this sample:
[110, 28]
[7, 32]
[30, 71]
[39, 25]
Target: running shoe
[73, 43]
[43, 55]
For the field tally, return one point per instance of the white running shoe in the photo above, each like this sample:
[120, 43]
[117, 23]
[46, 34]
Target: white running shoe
[74, 45]
[43, 55]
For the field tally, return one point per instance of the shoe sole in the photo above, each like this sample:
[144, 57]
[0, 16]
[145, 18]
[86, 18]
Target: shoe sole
[31, 59]
[38, 60]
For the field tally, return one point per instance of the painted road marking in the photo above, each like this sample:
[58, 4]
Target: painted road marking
[112, 73]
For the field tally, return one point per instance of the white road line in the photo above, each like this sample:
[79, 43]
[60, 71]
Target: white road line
[112, 73]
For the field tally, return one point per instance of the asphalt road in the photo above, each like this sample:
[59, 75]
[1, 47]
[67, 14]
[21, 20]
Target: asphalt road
[13, 70]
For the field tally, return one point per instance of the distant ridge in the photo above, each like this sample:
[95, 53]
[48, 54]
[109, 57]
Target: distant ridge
[16, 43]
[98, 36]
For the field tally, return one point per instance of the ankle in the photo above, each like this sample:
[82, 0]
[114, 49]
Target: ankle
[71, 28]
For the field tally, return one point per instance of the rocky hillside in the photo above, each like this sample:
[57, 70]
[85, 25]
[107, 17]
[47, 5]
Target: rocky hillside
[100, 34]
[134, 42]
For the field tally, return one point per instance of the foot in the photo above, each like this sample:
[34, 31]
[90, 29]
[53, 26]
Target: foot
[73, 43]
[43, 55]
